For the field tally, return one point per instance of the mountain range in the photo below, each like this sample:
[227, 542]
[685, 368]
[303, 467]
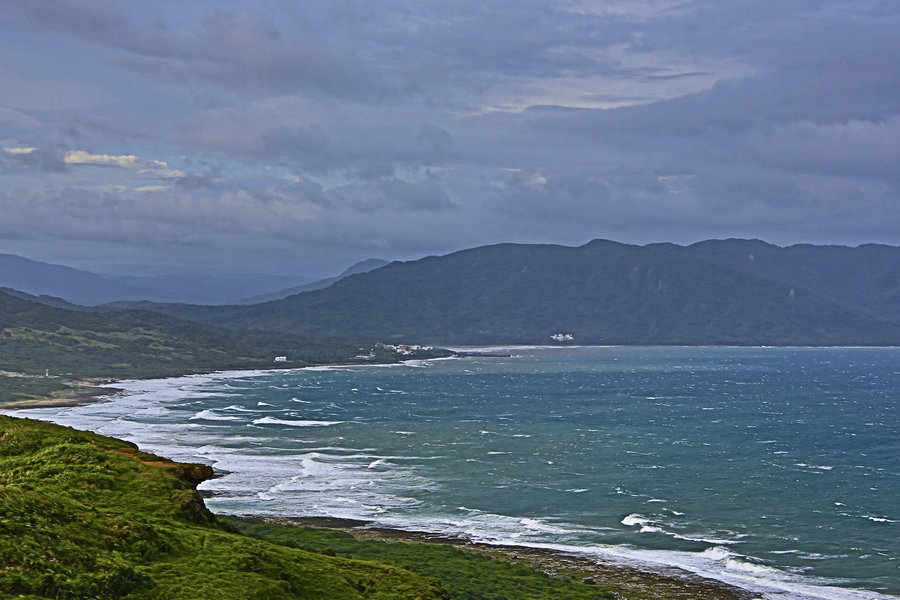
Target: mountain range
[90, 289]
[361, 267]
[743, 292]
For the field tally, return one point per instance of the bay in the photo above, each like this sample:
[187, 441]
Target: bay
[776, 469]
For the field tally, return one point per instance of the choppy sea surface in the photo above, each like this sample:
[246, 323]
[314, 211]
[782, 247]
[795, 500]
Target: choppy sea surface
[775, 469]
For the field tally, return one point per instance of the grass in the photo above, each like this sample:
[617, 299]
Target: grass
[13, 389]
[85, 516]
[465, 575]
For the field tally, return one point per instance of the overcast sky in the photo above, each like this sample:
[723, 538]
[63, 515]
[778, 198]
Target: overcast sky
[301, 136]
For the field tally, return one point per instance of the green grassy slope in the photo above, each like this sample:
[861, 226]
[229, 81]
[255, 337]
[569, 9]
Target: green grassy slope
[465, 575]
[35, 337]
[85, 516]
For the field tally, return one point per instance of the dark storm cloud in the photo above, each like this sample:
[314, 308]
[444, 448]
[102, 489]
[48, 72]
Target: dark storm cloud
[401, 128]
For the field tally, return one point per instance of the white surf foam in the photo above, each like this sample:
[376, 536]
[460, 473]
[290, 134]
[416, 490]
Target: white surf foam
[211, 415]
[294, 423]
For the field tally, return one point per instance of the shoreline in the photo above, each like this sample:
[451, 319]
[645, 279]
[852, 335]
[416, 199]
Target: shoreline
[663, 583]
[95, 389]
[78, 393]
[652, 583]
[655, 581]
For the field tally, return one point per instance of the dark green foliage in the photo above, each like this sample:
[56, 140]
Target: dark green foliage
[603, 293]
[465, 575]
[21, 388]
[35, 337]
[85, 516]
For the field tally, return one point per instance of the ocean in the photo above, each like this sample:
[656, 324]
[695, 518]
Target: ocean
[774, 469]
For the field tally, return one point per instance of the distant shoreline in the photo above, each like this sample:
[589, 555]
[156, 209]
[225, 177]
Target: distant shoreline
[79, 392]
[94, 389]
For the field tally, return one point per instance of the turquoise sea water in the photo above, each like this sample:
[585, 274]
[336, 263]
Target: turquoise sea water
[777, 469]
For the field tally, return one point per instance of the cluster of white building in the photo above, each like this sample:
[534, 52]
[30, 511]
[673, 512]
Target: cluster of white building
[402, 348]
[562, 337]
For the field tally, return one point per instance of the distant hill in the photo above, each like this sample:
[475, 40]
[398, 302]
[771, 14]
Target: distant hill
[86, 288]
[742, 292]
[35, 337]
[79, 287]
[361, 267]
[44, 299]
[202, 288]
[865, 278]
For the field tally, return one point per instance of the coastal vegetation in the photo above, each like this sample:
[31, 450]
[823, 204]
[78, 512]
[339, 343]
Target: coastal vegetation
[23, 388]
[36, 337]
[465, 575]
[87, 516]
[49, 350]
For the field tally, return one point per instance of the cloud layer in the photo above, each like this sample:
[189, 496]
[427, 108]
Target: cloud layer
[300, 137]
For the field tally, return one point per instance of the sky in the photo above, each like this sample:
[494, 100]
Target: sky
[298, 136]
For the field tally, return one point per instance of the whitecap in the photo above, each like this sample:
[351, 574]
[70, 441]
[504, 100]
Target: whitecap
[817, 467]
[237, 408]
[211, 415]
[293, 423]
[635, 519]
[879, 519]
[652, 529]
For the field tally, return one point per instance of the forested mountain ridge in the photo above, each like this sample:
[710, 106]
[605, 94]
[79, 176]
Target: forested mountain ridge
[742, 292]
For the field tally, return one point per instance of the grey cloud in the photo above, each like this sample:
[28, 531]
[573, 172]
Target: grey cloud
[392, 196]
[195, 182]
[439, 139]
[304, 146]
[40, 159]
[414, 127]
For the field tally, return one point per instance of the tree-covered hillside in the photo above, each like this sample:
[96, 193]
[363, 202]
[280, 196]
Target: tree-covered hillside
[603, 293]
[35, 337]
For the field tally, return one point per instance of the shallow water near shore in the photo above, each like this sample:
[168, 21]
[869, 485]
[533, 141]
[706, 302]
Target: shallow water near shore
[775, 469]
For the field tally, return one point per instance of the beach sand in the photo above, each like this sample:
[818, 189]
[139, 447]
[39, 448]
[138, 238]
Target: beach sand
[649, 583]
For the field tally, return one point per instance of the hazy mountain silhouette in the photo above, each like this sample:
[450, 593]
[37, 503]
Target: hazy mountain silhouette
[714, 292]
